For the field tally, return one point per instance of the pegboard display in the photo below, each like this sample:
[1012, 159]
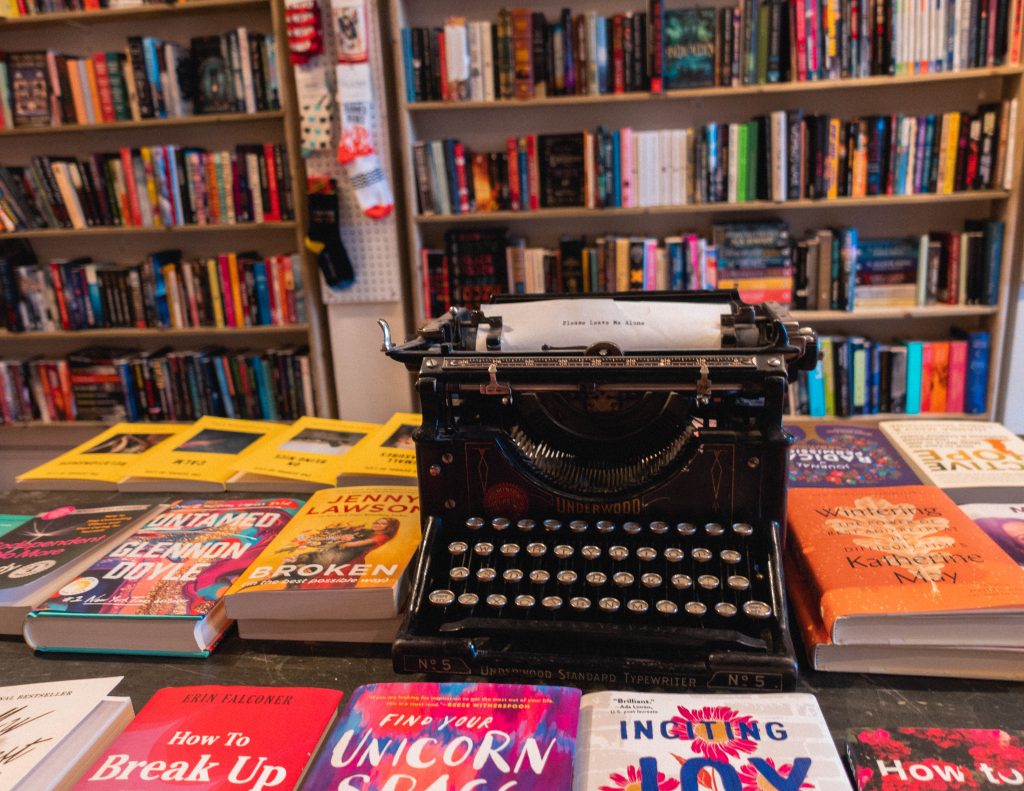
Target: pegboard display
[371, 244]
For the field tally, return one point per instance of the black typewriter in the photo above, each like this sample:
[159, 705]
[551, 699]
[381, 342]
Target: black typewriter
[609, 511]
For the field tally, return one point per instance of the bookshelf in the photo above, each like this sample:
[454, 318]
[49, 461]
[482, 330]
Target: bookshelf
[80, 33]
[484, 126]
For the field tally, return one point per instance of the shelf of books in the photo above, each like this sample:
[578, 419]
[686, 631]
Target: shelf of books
[869, 181]
[162, 252]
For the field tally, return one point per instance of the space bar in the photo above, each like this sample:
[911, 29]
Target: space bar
[665, 636]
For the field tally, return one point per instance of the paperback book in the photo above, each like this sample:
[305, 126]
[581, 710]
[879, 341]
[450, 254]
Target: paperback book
[386, 455]
[1003, 523]
[831, 455]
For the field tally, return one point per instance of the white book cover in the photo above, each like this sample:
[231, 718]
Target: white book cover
[956, 454]
[779, 154]
[36, 718]
[476, 63]
[677, 143]
[632, 740]
[1011, 147]
[487, 45]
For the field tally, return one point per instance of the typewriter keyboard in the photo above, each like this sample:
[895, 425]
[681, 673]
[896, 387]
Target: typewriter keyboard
[650, 573]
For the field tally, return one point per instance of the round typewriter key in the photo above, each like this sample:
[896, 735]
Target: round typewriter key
[738, 583]
[631, 528]
[609, 604]
[701, 555]
[552, 525]
[686, 529]
[708, 581]
[567, 576]
[659, 528]
[674, 554]
[526, 525]
[551, 603]
[459, 573]
[469, 600]
[725, 609]
[486, 574]
[695, 608]
[499, 523]
[590, 552]
[442, 598]
[457, 547]
[563, 551]
[597, 578]
[604, 526]
[713, 529]
[539, 576]
[650, 580]
[636, 606]
[618, 553]
[682, 581]
[474, 523]
[536, 549]
[730, 556]
[579, 603]
[497, 600]
[525, 601]
[512, 576]
[509, 550]
[756, 609]
[623, 579]
[578, 526]
[743, 529]
[666, 607]
[483, 549]
[647, 553]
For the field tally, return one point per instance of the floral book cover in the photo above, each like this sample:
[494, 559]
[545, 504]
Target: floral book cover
[657, 742]
[913, 759]
[838, 455]
[179, 563]
[424, 736]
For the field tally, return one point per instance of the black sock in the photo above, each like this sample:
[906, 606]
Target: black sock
[324, 240]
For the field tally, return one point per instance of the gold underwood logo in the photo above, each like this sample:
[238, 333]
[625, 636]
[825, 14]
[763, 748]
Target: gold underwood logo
[564, 505]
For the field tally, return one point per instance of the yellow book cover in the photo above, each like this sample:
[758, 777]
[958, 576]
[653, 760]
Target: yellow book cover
[103, 460]
[202, 457]
[236, 290]
[952, 147]
[213, 275]
[154, 200]
[832, 163]
[308, 452]
[385, 454]
[346, 554]
[621, 264]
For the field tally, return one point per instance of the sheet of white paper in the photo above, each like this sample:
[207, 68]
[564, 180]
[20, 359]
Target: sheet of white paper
[630, 324]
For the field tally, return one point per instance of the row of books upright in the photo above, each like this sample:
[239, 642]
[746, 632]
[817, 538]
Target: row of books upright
[859, 376]
[778, 157]
[164, 291]
[122, 384]
[13, 9]
[151, 78]
[525, 55]
[150, 187]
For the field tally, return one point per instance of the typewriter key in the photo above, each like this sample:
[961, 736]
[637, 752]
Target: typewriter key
[551, 603]
[618, 553]
[469, 600]
[756, 609]
[659, 528]
[674, 554]
[725, 609]
[526, 525]
[499, 523]
[623, 579]
[474, 523]
[647, 553]
[590, 552]
[609, 604]
[650, 580]
[666, 607]
[536, 549]
[743, 529]
[483, 549]
[708, 581]
[457, 547]
[563, 551]
[567, 577]
[730, 556]
[486, 574]
[682, 581]
[525, 601]
[738, 583]
[459, 573]
[552, 525]
[497, 600]
[578, 526]
[442, 598]
[695, 608]
[636, 606]
[512, 576]
[579, 603]
[713, 529]
[686, 529]
[597, 578]
[701, 555]
[604, 526]
[509, 550]
[539, 576]
[631, 528]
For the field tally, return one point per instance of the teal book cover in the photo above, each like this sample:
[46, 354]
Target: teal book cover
[689, 48]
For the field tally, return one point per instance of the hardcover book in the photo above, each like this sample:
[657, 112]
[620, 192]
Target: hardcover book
[831, 455]
[561, 170]
[424, 735]
[632, 741]
[101, 462]
[217, 738]
[1003, 523]
[346, 553]
[689, 48]
[386, 455]
[160, 591]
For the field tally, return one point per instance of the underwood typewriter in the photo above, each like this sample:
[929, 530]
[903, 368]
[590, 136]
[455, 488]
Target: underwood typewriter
[603, 490]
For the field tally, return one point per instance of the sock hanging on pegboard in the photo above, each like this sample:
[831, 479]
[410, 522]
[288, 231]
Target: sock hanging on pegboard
[355, 98]
[305, 51]
[323, 239]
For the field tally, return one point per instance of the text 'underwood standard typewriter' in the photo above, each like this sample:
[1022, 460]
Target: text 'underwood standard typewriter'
[603, 490]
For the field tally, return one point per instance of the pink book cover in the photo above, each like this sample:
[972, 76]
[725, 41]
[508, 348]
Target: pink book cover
[626, 153]
[957, 381]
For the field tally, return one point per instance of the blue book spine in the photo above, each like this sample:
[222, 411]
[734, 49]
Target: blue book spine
[163, 313]
[267, 405]
[152, 62]
[875, 377]
[848, 252]
[919, 158]
[602, 54]
[929, 145]
[951, 20]
[524, 176]
[993, 260]
[711, 138]
[96, 301]
[175, 185]
[410, 79]
[976, 391]
[219, 364]
[453, 177]
[676, 265]
[130, 402]
[913, 378]
[816, 391]
[259, 275]
[617, 169]
[904, 161]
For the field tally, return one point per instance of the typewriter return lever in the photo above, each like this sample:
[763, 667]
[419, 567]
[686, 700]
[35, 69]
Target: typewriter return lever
[493, 387]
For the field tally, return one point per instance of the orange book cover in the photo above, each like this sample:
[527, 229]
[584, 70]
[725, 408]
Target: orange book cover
[77, 95]
[94, 90]
[927, 355]
[896, 552]
[939, 375]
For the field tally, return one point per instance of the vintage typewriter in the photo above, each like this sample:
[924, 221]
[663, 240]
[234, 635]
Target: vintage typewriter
[607, 506]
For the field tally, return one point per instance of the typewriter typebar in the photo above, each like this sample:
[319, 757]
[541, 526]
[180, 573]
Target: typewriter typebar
[599, 514]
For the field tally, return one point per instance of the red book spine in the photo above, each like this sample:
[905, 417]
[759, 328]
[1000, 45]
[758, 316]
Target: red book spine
[131, 187]
[512, 151]
[226, 290]
[957, 381]
[990, 49]
[1015, 35]
[99, 61]
[58, 291]
[275, 197]
[533, 174]
[953, 271]
[460, 175]
[618, 62]
[927, 353]
[656, 44]
[800, 20]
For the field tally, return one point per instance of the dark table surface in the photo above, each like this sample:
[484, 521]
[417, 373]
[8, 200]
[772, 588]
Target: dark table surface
[847, 700]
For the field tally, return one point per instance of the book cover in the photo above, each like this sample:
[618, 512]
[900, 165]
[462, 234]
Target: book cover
[1003, 523]
[216, 738]
[689, 49]
[908, 759]
[356, 541]
[954, 454]
[632, 741]
[10, 521]
[29, 88]
[386, 453]
[841, 455]
[561, 170]
[424, 735]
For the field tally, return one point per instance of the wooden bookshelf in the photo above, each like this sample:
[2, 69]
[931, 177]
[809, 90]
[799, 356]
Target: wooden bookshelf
[217, 119]
[154, 12]
[942, 312]
[121, 230]
[132, 333]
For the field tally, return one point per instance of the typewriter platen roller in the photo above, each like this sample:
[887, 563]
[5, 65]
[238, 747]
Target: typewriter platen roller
[605, 506]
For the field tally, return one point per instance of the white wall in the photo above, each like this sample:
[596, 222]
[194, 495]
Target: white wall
[1013, 407]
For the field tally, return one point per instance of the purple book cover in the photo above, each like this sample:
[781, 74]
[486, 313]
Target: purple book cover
[452, 736]
[934, 759]
[838, 455]
[179, 563]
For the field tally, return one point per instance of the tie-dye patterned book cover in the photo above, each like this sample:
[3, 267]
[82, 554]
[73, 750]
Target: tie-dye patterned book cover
[838, 455]
[631, 741]
[421, 736]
